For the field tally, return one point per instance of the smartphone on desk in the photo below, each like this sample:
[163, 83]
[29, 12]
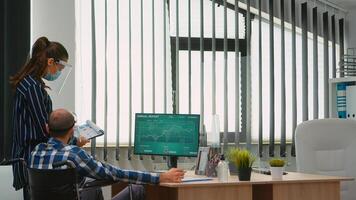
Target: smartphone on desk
[264, 171]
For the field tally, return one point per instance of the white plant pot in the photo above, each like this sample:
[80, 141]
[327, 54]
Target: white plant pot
[277, 172]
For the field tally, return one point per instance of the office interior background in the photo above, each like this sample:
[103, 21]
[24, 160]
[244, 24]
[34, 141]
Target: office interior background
[262, 66]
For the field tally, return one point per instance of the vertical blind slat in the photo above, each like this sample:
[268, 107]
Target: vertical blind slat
[153, 63]
[271, 105]
[117, 153]
[341, 41]
[283, 85]
[142, 63]
[201, 65]
[333, 40]
[248, 63]
[153, 60]
[93, 75]
[142, 68]
[237, 76]
[213, 43]
[315, 64]
[177, 58]
[326, 63]
[260, 124]
[106, 86]
[164, 57]
[294, 72]
[304, 61]
[189, 57]
[130, 87]
[225, 78]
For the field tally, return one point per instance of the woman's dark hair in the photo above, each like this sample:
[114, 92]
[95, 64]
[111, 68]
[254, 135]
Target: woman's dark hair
[42, 50]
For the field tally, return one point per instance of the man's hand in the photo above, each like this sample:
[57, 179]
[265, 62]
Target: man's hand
[81, 141]
[174, 175]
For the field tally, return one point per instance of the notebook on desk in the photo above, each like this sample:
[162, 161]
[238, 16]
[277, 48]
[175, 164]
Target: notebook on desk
[190, 179]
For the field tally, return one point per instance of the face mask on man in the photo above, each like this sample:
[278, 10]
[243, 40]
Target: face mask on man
[52, 77]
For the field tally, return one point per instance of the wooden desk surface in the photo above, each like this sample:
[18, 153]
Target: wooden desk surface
[294, 186]
[256, 178]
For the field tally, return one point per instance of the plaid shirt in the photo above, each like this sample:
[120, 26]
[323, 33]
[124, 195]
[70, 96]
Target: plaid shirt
[45, 154]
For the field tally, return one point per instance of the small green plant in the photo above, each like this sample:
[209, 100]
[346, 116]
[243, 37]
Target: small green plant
[242, 158]
[277, 162]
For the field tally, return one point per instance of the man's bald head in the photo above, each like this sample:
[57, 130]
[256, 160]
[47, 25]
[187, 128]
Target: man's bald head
[60, 122]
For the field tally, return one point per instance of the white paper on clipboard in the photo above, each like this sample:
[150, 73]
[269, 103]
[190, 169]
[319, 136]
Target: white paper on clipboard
[89, 130]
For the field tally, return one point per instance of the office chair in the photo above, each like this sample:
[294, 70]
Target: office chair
[56, 184]
[327, 147]
[53, 184]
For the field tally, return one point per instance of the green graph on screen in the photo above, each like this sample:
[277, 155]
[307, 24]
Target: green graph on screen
[166, 134]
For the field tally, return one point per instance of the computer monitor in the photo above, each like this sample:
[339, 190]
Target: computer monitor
[167, 135]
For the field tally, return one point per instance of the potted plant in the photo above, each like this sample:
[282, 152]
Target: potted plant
[243, 160]
[277, 168]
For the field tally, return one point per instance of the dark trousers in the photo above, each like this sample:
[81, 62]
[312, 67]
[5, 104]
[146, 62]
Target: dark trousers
[133, 192]
[26, 193]
[137, 193]
[91, 194]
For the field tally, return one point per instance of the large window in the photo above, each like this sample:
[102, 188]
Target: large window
[117, 58]
[288, 64]
[207, 99]
[149, 86]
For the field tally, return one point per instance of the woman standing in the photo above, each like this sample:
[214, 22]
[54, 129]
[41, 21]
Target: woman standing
[32, 104]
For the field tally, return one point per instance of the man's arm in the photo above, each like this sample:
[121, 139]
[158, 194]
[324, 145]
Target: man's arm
[174, 175]
[87, 166]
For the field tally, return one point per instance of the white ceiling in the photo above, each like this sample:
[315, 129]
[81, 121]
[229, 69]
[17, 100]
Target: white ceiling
[346, 4]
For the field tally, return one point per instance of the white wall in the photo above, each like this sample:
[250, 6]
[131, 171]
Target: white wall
[6, 190]
[56, 20]
[350, 29]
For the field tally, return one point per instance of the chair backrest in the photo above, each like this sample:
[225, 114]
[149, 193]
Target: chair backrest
[53, 184]
[328, 146]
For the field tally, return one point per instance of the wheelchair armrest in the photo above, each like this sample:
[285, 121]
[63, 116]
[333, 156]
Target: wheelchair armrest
[12, 161]
[69, 164]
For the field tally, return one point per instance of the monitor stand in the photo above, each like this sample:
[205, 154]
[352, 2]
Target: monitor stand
[172, 162]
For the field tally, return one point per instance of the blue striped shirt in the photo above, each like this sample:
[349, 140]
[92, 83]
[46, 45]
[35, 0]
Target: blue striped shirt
[32, 106]
[45, 154]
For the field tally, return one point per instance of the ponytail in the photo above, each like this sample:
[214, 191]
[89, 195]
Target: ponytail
[40, 45]
[36, 66]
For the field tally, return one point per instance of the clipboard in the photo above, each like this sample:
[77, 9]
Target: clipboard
[89, 130]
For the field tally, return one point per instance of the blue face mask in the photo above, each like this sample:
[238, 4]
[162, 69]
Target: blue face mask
[52, 77]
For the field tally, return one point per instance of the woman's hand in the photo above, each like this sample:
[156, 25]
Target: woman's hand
[81, 141]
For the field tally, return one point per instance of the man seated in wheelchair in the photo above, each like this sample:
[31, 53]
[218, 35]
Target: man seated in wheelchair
[60, 128]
